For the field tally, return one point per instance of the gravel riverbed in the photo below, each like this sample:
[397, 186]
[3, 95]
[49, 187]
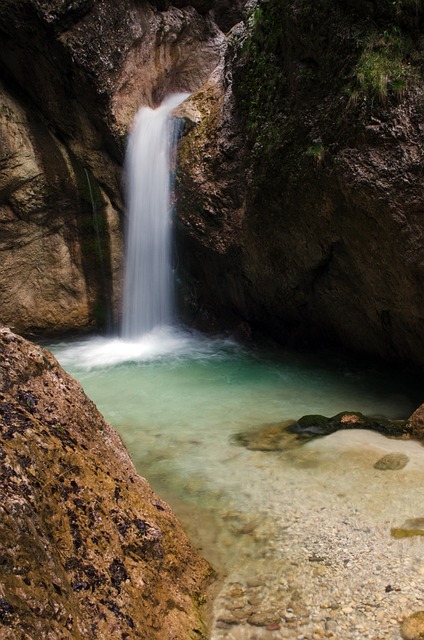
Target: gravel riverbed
[314, 557]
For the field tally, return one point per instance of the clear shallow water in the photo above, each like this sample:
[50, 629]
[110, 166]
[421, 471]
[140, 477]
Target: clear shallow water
[177, 398]
[178, 389]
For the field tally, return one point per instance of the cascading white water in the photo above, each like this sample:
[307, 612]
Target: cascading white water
[148, 290]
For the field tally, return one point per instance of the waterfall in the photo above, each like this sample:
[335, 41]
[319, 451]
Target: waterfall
[148, 283]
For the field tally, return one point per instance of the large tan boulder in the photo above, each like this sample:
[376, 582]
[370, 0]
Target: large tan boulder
[57, 272]
[88, 550]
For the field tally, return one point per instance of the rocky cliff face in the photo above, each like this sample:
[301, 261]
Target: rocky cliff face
[300, 184]
[88, 550]
[74, 74]
[301, 180]
[59, 231]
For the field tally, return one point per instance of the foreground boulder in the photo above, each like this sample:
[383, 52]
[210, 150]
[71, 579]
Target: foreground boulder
[87, 548]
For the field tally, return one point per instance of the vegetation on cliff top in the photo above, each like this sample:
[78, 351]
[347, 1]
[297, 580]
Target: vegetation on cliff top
[299, 53]
[386, 65]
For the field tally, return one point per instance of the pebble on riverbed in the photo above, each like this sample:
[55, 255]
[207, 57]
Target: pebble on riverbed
[392, 462]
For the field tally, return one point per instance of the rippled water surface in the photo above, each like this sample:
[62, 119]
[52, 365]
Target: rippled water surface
[177, 398]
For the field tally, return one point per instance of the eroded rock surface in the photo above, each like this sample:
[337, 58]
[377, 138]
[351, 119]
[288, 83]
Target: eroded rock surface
[87, 549]
[57, 270]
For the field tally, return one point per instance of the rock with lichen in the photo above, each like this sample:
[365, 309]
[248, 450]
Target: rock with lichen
[416, 423]
[88, 549]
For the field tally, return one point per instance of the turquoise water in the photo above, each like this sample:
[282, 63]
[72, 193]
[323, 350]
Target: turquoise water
[184, 384]
[177, 397]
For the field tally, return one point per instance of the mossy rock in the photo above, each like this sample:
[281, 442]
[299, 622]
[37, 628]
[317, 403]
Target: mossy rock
[317, 425]
[312, 425]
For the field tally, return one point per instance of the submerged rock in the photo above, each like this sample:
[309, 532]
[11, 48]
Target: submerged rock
[290, 434]
[89, 551]
[270, 437]
[411, 527]
[392, 462]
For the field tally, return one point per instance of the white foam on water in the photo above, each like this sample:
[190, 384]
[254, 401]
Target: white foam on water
[162, 342]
